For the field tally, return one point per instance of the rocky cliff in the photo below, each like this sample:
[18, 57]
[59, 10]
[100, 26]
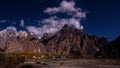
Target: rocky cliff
[67, 41]
[71, 41]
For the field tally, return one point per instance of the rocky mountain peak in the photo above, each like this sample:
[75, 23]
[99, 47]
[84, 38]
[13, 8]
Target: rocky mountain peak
[72, 41]
[67, 41]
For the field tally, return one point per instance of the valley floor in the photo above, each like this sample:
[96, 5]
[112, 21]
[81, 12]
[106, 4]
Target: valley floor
[73, 63]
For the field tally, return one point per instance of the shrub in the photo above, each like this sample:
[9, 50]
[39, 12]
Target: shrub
[61, 63]
[38, 62]
[26, 66]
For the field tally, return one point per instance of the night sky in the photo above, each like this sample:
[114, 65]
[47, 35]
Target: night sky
[102, 19]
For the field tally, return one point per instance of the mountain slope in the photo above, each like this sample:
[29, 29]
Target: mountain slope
[112, 50]
[71, 41]
[21, 43]
[67, 41]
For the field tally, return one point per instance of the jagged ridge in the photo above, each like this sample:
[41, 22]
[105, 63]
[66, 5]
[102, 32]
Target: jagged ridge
[67, 41]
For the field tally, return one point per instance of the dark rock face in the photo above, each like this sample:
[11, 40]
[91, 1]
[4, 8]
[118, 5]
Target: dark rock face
[70, 41]
[112, 50]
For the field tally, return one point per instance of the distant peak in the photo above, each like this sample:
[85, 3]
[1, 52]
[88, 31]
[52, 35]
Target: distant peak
[66, 27]
[70, 28]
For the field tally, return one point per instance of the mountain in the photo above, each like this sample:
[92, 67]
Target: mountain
[31, 44]
[111, 50]
[71, 41]
[21, 43]
[67, 41]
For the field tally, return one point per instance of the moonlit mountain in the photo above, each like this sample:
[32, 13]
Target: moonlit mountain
[59, 33]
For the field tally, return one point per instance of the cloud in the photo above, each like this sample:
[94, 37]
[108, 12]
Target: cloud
[33, 29]
[39, 32]
[65, 6]
[3, 21]
[11, 28]
[22, 23]
[12, 31]
[57, 23]
[54, 23]
[80, 15]
[22, 33]
[9, 31]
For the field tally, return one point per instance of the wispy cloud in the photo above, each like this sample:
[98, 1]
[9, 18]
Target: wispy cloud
[22, 34]
[3, 21]
[12, 31]
[54, 23]
[34, 30]
[67, 7]
[9, 31]
[22, 23]
[64, 7]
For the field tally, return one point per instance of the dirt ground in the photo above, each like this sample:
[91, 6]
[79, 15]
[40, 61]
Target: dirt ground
[75, 63]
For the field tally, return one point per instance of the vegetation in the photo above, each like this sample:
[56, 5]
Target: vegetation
[26, 66]
[10, 60]
[61, 63]
[38, 62]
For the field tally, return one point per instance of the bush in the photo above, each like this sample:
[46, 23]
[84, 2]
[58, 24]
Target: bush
[44, 64]
[11, 60]
[61, 63]
[26, 66]
[38, 62]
